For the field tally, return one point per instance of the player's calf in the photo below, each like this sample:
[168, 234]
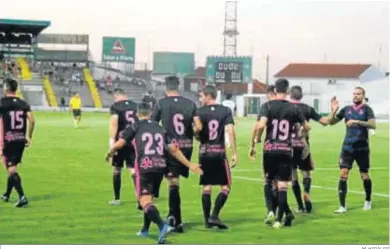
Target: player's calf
[367, 183]
[154, 215]
[268, 196]
[342, 189]
[297, 190]
[219, 203]
[17, 183]
[306, 191]
[206, 205]
[174, 216]
[116, 184]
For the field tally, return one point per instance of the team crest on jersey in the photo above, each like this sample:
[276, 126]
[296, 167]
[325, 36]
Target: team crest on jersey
[361, 112]
[9, 136]
[146, 163]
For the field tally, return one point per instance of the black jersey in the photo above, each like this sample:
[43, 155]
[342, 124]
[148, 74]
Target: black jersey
[282, 116]
[176, 114]
[13, 111]
[309, 113]
[212, 137]
[149, 141]
[356, 137]
[127, 114]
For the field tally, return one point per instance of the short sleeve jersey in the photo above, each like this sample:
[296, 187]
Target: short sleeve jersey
[356, 137]
[212, 137]
[127, 113]
[149, 141]
[282, 116]
[13, 111]
[176, 114]
[309, 113]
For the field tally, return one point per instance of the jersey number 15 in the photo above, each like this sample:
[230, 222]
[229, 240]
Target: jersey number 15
[17, 121]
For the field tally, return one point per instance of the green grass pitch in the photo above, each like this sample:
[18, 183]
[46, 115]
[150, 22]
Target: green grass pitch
[69, 186]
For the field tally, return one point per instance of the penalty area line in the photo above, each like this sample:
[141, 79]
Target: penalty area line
[314, 186]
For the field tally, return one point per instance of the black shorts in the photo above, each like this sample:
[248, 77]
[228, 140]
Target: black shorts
[126, 154]
[362, 159]
[147, 184]
[175, 168]
[302, 164]
[277, 167]
[13, 153]
[76, 113]
[216, 171]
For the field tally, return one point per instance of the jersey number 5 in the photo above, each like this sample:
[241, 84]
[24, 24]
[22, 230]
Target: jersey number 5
[280, 129]
[148, 138]
[17, 121]
[130, 117]
[178, 124]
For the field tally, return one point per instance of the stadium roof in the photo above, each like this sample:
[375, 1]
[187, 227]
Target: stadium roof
[318, 70]
[23, 26]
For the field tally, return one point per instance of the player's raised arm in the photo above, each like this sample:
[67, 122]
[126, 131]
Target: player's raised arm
[113, 127]
[176, 153]
[338, 117]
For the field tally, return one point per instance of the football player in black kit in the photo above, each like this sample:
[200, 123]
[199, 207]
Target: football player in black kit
[359, 118]
[123, 113]
[305, 165]
[16, 116]
[151, 146]
[280, 117]
[212, 154]
[177, 115]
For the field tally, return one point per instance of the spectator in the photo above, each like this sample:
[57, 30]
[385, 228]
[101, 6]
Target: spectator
[62, 107]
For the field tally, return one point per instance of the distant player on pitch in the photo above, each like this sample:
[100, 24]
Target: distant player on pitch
[228, 102]
[75, 105]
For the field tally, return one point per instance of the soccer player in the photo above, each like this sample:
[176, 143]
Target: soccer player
[273, 202]
[305, 165]
[150, 145]
[123, 113]
[16, 115]
[358, 117]
[177, 115]
[280, 117]
[212, 154]
[372, 131]
[228, 102]
[75, 105]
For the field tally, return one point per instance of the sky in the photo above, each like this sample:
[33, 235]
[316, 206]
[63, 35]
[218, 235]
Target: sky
[286, 30]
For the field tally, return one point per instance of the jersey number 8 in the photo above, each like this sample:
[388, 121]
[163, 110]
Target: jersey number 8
[213, 129]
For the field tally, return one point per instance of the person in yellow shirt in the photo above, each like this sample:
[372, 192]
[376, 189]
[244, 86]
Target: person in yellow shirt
[75, 105]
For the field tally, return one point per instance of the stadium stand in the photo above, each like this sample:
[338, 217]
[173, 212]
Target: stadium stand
[17, 49]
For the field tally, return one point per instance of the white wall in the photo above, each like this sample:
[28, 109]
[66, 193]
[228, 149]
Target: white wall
[317, 86]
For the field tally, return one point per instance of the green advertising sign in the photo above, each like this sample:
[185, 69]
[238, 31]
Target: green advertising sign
[118, 49]
[173, 63]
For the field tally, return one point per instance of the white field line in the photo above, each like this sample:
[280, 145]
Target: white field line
[315, 169]
[314, 186]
